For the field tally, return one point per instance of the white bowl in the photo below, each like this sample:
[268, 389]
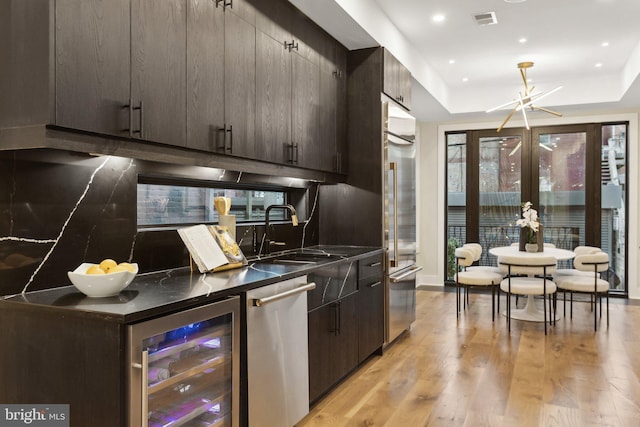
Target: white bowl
[101, 285]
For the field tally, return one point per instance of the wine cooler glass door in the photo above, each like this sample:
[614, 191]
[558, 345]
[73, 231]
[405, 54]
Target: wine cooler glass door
[185, 368]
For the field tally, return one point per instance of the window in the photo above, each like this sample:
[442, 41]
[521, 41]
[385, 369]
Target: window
[575, 176]
[160, 204]
[456, 196]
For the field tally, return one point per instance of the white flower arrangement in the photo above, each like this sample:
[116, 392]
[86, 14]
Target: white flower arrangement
[529, 220]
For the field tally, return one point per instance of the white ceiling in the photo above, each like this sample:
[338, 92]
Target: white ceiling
[564, 40]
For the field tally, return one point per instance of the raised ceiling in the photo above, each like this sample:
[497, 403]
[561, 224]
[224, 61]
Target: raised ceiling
[590, 47]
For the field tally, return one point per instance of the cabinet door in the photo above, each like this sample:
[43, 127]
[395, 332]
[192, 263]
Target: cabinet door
[308, 38]
[273, 99]
[341, 110]
[404, 86]
[305, 115]
[240, 85]
[324, 150]
[92, 74]
[205, 75]
[345, 357]
[274, 18]
[370, 316]
[397, 80]
[322, 333]
[332, 149]
[390, 75]
[243, 9]
[158, 78]
[333, 344]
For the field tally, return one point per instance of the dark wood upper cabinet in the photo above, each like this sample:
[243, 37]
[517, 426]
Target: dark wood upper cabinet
[248, 78]
[309, 38]
[325, 150]
[205, 76]
[341, 110]
[240, 86]
[158, 70]
[333, 105]
[305, 82]
[298, 89]
[275, 18]
[221, 62]
[273, 99]
[243, 9]
[397, 80]
[92, 51]
[24, 73]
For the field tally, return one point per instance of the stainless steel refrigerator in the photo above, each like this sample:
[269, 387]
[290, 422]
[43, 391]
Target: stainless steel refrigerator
[399, 220]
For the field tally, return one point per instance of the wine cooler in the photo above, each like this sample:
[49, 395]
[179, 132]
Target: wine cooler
[185, 368]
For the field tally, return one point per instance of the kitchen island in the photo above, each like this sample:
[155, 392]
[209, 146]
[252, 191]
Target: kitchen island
[63, 347]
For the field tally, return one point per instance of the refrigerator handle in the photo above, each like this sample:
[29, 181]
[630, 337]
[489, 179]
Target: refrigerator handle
[412, 271]
[393, 167]
[144, 368]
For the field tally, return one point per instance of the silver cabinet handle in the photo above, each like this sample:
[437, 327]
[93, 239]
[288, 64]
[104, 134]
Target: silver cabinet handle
[259, 302]
[375, 264]
[373, 285]
[414, 270]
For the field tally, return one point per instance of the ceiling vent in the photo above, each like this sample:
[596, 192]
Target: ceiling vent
[486, 18]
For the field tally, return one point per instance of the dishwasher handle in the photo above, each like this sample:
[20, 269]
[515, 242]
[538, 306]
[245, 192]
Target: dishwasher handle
[259, 302]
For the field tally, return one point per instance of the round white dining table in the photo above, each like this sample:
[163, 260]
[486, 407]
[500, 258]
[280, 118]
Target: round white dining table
[530, 312]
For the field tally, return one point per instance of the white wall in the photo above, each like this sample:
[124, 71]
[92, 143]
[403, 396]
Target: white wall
[431, 188]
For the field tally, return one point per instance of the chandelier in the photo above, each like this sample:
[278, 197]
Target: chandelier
[525, 99]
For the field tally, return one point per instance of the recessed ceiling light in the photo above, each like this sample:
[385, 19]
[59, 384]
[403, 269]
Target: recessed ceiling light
[522, 40]
[599, 65]
[452, 61]
[437, 18]
[514, 1]
[465, 79]
[605, 44]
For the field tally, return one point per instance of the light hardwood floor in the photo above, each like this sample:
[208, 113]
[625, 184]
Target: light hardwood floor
[471, 372]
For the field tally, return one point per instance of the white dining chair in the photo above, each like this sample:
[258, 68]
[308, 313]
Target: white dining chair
[560, 273]
[529, 276]
[592, 264]
[477, 254]
[473, 278]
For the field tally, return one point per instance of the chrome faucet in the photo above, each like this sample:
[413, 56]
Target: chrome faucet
[294, 222]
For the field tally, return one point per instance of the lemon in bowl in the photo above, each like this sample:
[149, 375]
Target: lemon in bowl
[95, 281]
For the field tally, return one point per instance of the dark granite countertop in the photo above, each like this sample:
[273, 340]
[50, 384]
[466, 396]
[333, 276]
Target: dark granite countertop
[159, 293]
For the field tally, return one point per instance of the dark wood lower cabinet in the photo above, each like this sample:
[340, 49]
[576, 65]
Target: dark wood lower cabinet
[346, 320]
[370, 316]
[333, 344]
[370, 305]
[60, 357]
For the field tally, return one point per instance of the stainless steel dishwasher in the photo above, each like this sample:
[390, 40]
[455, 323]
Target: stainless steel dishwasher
[277, 353]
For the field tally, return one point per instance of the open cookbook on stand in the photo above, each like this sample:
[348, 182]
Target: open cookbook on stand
[212, 248]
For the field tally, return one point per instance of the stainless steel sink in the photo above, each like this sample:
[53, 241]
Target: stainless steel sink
[300, 257]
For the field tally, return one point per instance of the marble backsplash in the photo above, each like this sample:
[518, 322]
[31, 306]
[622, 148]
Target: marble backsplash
[59, 209]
